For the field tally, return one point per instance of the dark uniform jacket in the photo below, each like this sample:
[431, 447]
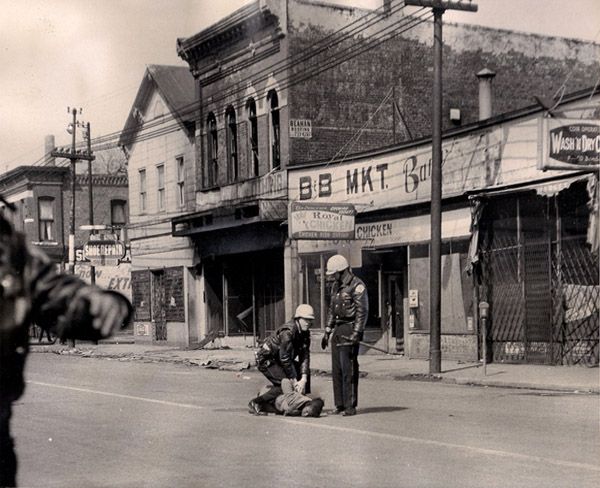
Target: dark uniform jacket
[284, 345]
[349, 304]
[32, 290]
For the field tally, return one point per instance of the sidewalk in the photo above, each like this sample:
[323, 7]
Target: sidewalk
[578, 379]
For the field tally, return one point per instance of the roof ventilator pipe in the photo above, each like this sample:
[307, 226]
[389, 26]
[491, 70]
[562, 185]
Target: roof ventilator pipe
[485, 93]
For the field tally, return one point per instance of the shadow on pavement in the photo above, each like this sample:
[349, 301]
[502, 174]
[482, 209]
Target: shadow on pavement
[361, 411]
[472, 366]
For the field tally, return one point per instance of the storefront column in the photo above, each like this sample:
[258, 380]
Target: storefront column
[291, 270]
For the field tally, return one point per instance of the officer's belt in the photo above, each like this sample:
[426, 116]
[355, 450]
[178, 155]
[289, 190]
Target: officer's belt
[340, 321]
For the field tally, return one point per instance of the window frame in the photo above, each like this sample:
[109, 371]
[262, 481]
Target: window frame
[180, 167]
[231, 136]
[161, 194]
[210, 175]
[113, 203]
[143, 190]
[274, 130]
[46, 226]
[253, 135]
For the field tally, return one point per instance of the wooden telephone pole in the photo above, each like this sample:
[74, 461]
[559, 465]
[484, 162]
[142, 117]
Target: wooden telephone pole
[435, 251]
[73, 155]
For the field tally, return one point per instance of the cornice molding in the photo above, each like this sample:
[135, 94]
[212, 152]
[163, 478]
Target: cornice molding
[240, 25]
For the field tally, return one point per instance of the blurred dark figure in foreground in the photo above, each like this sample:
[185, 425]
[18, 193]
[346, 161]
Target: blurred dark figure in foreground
[32, 291]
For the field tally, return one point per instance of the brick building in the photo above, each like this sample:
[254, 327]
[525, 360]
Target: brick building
[43, 198]
[282, 83]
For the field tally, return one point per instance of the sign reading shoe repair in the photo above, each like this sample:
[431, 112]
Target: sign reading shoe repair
[309, 220]
[569, 143]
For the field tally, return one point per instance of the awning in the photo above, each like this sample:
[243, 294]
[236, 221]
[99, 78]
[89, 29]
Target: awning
[226, 218]
[547, 188]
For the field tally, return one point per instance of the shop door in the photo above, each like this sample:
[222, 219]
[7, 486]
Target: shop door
[213, 296]
[395, 310]
[158, 305]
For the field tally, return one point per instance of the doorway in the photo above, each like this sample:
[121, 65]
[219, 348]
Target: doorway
[395, 310]
[158, 305]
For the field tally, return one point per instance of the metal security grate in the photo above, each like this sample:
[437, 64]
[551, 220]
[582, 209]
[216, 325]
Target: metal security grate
[542, 285]
[576, 298]
[507, 304]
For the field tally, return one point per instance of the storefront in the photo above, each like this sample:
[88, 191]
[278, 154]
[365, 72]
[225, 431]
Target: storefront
[390, 249]
[530, 258]
[164, 294]
[392, 258]
[240, 246]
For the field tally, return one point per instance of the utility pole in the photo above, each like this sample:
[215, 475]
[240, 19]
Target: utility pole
[435, 250]
[73, 155]
[88, 136]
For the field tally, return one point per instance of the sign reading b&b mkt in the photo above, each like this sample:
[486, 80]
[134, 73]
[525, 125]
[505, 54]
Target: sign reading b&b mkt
[569, 144]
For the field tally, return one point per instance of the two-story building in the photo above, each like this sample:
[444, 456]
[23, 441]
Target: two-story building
[43, 199]
[158, 138]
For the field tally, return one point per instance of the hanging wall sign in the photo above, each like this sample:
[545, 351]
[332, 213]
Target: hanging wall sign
[310, 220]
[569, 144]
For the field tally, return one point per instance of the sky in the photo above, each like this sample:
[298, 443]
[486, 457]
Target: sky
[92, 55]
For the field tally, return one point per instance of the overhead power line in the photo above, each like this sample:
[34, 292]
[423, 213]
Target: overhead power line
[265, 73]
[379, 37]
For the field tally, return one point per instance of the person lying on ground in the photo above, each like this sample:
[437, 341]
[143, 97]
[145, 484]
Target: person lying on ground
[286, 401]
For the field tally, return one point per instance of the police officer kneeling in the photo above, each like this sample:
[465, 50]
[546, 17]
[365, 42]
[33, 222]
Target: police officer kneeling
[286, 354]
[348, 312]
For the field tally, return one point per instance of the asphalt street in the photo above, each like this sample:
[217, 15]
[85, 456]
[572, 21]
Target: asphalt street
[88, 422]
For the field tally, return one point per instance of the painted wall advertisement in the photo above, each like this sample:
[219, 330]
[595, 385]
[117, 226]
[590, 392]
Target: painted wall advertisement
[569, 143]
[117, 278]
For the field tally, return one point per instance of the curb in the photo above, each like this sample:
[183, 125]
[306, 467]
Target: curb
[232, 364]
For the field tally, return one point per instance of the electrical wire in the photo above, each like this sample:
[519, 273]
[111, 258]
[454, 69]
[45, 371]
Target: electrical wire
[381, 36]
[191, 108]
[290, 60]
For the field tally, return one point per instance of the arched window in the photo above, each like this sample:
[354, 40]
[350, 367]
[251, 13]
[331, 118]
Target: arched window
[210, 173]
[232, 150]
[253, 135]
[274, 130]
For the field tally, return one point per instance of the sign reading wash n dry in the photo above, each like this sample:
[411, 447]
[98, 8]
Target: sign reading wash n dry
[569, 143]
[309, 220]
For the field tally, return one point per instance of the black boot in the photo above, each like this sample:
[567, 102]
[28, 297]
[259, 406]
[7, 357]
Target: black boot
[255, 409]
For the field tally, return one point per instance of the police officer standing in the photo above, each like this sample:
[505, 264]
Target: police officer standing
[286, 354]
[348, 312]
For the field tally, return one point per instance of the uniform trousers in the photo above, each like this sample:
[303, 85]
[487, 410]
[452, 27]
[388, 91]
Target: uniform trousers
[344, 368]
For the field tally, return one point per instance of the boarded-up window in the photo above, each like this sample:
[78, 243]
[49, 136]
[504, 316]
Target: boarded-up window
[140, 294]
[174, 296]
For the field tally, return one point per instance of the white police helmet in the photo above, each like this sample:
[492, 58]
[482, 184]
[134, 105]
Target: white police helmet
[336, 263]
